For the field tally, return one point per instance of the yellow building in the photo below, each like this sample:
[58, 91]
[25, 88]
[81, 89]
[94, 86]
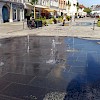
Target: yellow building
[62, 6]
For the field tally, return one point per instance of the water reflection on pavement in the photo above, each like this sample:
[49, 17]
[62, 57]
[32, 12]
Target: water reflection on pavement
[26, 75]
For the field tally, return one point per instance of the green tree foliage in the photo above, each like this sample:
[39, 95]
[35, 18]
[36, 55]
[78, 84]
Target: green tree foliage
[34, 2]
[77, 4]
[98, 22]
[88, 10]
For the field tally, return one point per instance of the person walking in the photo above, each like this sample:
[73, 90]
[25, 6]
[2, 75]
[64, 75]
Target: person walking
[64, 19]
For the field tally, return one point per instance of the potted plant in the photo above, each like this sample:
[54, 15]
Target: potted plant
[68, 18]
[98, 22]
[38, 23]
[44, 23]
[54, 20]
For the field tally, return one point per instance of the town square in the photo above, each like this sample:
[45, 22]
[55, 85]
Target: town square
[49, 50]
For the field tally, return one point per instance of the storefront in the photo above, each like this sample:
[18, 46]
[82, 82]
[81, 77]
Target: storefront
[5, 13]
[41, 12]
[18, 11]
[28, 9]
[11, 11]
[54, 4]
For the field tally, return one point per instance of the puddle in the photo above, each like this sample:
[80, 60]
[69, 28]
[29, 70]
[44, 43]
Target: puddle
[83, 24]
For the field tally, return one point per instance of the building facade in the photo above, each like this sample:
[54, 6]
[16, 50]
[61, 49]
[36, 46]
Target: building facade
[68, 7]
[62, 7]
[81, 12]
[54, 5]
[71, 7]
[39, 8]
[17, 10]
[42, 7]
[11, 10]
[95, 10]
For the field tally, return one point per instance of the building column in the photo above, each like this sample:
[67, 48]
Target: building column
[16, 15]
[23, 14]
[11, 13]
[20, 14]
[1, 20]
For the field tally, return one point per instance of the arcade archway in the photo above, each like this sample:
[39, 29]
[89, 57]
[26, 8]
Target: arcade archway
[5, 13]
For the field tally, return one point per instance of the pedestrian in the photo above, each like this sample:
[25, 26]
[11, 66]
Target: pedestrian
[64, 19]
[33, 23]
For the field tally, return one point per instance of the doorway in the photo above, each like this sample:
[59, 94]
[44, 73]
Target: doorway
[5, 14]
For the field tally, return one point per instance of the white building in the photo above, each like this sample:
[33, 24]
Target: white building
[54, 4]
[71, 7]
[11, 10]
[95, 10]
[81, 11]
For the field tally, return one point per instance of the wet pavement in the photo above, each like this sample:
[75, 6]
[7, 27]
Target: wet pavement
[42, 68]
[83, 23]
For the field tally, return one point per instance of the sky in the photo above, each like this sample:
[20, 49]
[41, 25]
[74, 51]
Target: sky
[89, 3]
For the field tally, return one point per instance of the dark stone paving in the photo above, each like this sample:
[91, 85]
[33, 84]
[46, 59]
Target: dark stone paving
[33, 68]
[17, 78]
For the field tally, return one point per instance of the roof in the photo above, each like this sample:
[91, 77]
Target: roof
[81, 6]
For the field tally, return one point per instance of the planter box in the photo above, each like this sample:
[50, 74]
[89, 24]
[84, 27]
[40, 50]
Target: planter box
[28, 17]
[38, 24]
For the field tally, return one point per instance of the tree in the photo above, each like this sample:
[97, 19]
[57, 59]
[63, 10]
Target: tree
[87, 10]
[33, 2]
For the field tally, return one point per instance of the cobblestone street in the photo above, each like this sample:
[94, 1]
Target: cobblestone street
[16, 29]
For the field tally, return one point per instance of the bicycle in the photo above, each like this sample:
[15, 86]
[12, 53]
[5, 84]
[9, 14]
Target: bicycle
[31, 24]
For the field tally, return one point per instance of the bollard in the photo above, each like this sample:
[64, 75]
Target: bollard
[93, 25]
[23, 24]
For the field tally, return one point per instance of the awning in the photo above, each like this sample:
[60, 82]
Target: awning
[49, 10]
[40, 6]
[29, 6]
